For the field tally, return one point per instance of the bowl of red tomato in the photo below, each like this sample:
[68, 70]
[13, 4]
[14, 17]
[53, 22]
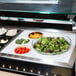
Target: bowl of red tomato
[22, 50]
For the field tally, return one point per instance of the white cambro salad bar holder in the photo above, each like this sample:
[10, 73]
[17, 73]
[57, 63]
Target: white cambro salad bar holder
[65, 59]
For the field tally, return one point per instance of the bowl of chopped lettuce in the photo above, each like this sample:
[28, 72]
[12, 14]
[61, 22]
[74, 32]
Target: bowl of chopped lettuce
[52, 45]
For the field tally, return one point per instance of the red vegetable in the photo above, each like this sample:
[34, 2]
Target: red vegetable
[22, 50]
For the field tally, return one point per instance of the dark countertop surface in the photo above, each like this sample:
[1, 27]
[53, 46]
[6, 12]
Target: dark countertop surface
[63, 6]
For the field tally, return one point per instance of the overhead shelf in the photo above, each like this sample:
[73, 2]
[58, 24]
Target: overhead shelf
[39, 6]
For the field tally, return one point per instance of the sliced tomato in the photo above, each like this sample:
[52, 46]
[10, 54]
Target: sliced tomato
[22, 50]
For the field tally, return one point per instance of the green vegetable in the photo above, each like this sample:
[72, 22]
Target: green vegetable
[22, 41]
[51, 45]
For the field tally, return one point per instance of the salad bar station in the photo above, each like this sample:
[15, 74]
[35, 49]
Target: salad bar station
[36, 47]
[40, 46]
[37, 51]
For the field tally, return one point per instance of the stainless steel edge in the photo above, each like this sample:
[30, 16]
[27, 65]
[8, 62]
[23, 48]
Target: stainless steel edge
[50, 30]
